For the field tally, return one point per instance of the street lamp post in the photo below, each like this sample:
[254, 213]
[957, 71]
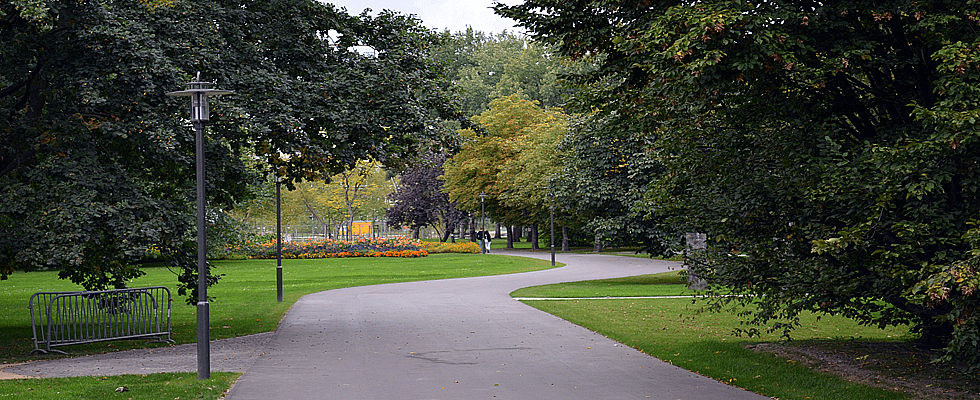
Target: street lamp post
[198, 92]
[483, 224]
[278, 239]
[552, 229]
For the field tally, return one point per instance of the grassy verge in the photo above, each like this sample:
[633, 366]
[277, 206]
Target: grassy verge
[245, 303]
[245, 298]
[137, 387]
[676, 331]
[665, 284]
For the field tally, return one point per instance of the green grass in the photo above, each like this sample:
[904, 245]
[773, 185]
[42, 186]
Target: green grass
[678, 332]
[140, 387]
[665, 284]
[245, 298]
[245, 303]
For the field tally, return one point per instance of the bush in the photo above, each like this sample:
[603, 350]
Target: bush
[444, 247]
[327, 248]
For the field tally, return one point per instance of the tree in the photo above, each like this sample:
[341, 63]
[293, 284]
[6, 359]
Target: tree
[511, 163]
[832, 145]
[525, 180]
[420, 200]
[330, 205]
[96, 162]
[354, 186]
[489, 66]
[600, 185]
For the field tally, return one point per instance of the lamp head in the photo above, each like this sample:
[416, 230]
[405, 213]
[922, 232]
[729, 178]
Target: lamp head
[198, 92]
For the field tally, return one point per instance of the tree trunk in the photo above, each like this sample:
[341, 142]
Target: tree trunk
[415, 232]
[448, 232]
[510, 237]
[935, 335]
[534, 237]
[597, 246]
[472, 228]
[564, 239]
[497, 233]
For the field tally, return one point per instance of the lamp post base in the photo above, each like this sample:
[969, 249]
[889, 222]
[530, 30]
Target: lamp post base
[203, 341]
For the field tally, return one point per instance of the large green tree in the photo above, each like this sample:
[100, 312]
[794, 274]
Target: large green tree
[511, 163]
[601, 180]
[832, 145]
[486, 66]
[96, 163]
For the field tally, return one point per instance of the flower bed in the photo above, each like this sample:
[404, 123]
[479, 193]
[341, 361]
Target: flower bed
[443, 247]
[327, 248]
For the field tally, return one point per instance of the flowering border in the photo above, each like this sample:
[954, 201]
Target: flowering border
[328, 248]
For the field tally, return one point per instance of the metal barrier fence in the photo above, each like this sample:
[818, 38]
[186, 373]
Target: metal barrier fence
[69, 318]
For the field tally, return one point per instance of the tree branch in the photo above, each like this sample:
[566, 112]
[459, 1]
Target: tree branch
[9, 90]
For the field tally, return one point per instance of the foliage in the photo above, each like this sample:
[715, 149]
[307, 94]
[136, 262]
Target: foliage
[600, 185]
[96, 162]
[420, 200]
[487, 66]
[362, 186]
[828, 149]
[511, 164]
[328, 248]
[444, 247]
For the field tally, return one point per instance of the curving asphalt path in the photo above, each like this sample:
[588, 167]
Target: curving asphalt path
[463, 339]
[447, 339]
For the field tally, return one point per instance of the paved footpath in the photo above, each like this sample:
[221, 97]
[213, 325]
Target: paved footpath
[447, 339]
[463, 339]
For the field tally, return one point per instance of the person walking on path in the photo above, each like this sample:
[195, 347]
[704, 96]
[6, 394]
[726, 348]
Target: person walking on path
[483, 242]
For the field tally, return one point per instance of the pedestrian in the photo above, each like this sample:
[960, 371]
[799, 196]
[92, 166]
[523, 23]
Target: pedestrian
[489, 240]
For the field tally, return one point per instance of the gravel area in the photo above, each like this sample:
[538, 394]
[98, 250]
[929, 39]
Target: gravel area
[227, 355]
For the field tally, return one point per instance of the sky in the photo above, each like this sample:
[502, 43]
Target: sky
[455, 15]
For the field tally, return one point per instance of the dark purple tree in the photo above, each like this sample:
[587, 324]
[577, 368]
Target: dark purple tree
[420, 201]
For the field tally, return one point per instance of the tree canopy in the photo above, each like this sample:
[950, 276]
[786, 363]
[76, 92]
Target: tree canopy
[96, 163]
[420, 200]
[511, 164]
[831, 146]
[486, 66]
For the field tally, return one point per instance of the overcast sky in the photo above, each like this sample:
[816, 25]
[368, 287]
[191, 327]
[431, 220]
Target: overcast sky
[455, 15]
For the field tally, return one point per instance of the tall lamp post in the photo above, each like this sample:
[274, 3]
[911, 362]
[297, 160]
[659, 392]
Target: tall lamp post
[278, 239]
[552, 198]
[198, 92]
[483, 224]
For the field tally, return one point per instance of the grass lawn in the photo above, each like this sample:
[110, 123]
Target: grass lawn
[245, 303]
[245, 298]
[676, 331]
[665, 284]
[137, 387]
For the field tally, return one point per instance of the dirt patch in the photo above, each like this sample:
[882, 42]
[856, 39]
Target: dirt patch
[7, 375]
[889, 365]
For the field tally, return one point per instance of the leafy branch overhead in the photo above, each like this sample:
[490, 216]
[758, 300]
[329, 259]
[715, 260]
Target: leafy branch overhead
[829, 149]
[96, 163]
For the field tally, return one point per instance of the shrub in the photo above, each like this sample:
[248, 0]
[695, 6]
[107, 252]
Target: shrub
[444, 247]
[327, 248]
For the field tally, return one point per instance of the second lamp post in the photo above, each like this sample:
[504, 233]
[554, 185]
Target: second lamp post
[198, 92]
